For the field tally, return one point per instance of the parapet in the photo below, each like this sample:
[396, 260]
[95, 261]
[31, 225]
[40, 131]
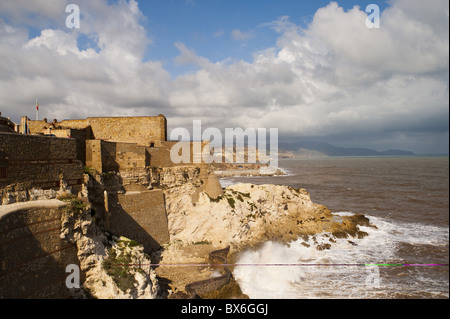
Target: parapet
[142, 130]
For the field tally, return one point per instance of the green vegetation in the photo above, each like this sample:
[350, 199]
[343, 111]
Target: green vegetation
[74, 204]
[90, 171]
[127, 242]
[252, 206]
[118, 268]
[203, 242]
[215, 200]
[109, 174]
[231, 202]
[119, 264]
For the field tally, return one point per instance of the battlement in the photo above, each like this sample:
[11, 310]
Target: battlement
[148, 131]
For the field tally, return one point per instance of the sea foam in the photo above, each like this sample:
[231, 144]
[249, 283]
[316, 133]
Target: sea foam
[344, 271]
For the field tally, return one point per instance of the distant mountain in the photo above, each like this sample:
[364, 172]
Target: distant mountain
[330, 150]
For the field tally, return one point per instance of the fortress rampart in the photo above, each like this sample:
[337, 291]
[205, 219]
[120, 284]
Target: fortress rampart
[130, 168]
[144, 130]
[33, 257]
[110, 156]
[35, 162]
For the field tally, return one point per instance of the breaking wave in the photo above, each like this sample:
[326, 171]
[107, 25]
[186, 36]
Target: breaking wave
[351, 268]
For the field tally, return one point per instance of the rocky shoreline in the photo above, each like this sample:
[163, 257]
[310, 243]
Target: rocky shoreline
[243, 217]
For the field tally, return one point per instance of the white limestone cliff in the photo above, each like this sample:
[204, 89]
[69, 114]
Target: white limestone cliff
[245, 215]
[101, 260]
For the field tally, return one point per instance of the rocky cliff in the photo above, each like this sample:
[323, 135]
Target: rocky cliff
[199, 217]
[245, 215]
[113, 267]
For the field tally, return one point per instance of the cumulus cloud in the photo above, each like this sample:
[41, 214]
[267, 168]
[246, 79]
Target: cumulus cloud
[335, 78]
[36, 12]
[71, 82]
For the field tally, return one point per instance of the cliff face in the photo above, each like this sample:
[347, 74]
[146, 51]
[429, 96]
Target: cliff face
[245, 215]
[198, 216]
[111, 266]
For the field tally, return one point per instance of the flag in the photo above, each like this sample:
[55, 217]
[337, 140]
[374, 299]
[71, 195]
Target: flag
[37, 106]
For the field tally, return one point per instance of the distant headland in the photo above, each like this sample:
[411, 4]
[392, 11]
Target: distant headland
[315, 149]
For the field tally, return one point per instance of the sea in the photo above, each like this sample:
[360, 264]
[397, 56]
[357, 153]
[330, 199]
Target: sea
[405, 257]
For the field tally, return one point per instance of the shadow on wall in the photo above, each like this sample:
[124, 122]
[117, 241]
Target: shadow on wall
[33, 258]
[140, 217]
[138, 214]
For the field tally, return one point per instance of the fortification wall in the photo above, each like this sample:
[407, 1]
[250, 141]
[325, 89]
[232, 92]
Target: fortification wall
[80, 137]
[74, 124]
[33, 257]
[34, 126]
[110, 156]
[126, 155]
[144, 131]
[160, 156]
[141, 216]
[39, 162]
[140, 130]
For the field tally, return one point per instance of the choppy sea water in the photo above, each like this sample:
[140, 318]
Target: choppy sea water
[407, 198]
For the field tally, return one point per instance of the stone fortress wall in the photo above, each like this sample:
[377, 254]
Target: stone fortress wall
[115, 156]
[144, 131]
[33, 257]
[128, 159]
[30, 163]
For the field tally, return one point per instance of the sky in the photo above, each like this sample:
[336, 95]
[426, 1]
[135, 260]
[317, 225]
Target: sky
[312, 69]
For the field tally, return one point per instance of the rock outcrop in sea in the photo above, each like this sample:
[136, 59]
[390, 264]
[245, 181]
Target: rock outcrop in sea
[244, 216]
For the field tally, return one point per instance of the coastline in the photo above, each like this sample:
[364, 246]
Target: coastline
[245, 218]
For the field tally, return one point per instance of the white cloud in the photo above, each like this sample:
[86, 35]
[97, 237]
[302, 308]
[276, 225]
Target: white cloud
[334, 78]
[337, 77]
[71, 82]
[36, 12]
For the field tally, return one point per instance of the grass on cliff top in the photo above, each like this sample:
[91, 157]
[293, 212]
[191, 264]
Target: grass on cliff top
[74, 204]
[231, 198]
